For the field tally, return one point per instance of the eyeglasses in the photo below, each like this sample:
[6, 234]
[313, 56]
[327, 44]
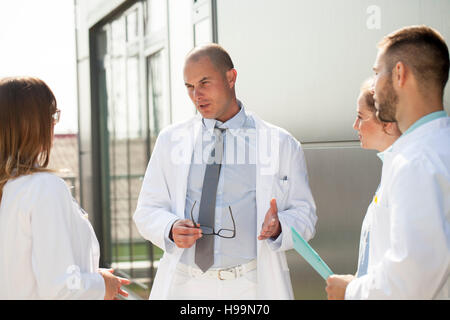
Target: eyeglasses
[223, 233]
[56, 116]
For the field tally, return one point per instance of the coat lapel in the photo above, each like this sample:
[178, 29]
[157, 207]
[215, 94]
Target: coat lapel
[190, 136]
[266, 172]
[264, 183]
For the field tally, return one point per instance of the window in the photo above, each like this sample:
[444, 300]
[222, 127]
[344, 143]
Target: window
[205, 30]
[156, 95]
[133, 105]
[155, 16]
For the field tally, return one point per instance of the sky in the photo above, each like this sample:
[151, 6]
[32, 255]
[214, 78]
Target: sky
[37, 38]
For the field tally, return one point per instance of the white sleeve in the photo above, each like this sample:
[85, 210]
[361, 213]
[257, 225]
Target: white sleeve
[417, 261]
[300, 210]
[53, 256]
[275, 244]
[152, 215]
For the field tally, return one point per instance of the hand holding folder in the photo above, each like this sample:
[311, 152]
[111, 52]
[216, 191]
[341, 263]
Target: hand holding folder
[311, 256]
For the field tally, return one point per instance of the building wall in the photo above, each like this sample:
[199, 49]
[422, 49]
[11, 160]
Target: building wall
[64, 161]
[301, 63]
[181, 37]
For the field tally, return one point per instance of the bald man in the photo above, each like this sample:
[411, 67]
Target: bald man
[221, 193]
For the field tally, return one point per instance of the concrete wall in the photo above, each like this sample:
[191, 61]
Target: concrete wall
[301, 63]
[181, 39]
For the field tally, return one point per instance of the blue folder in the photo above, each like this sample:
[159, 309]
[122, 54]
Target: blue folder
[307, 252]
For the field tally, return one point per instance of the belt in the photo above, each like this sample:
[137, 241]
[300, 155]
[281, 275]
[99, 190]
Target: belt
[221, 274]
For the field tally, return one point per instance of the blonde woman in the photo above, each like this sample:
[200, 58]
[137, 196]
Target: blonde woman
[48, 249]
[373, 133]
[376, 135]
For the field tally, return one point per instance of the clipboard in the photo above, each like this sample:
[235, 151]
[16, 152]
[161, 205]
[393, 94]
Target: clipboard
[311, 256]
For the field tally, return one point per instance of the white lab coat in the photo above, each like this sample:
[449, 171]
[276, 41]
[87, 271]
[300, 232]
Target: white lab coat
[163, 197]
[409, 254]
[48, 249]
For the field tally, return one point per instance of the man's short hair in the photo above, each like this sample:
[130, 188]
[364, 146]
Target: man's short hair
[218, 56]
[421, 48]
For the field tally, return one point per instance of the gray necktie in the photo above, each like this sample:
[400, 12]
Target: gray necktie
[204, 247]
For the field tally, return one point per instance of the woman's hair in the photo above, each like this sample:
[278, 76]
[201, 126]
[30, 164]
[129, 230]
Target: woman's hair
[27, 106]
[367, 94]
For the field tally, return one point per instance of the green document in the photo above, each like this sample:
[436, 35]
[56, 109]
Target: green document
[305, 250]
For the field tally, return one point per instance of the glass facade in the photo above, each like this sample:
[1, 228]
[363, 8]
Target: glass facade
[156, 97]
[204, 26]
[133, 105]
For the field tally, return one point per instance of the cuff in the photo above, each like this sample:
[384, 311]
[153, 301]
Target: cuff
[95, 285]
[169, 244]
[275, 244]
[351, 290]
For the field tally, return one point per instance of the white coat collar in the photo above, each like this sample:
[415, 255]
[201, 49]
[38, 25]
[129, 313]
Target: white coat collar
[418, 133]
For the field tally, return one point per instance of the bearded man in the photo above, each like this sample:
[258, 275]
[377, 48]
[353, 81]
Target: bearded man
[409, 253]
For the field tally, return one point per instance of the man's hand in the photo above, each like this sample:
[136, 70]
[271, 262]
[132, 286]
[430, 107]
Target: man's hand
[184, 233]
[271, 226]
[336, 285]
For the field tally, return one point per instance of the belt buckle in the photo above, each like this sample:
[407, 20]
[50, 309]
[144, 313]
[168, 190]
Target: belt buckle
[226, 274]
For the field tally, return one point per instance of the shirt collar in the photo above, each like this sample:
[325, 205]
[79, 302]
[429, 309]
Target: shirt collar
[236, 122]
[406, 137]
[383, 153]
[425, 119]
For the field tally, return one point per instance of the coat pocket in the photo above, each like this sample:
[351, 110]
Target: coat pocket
[280, 191]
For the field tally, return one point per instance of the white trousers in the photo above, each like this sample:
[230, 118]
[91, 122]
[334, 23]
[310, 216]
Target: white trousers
[186, 287]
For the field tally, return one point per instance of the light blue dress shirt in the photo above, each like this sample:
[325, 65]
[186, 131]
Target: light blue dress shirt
[236, 188]
[425, 119]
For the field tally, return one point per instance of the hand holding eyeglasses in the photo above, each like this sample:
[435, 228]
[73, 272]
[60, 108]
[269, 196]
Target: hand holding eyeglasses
[271, 227]
[184, 233]
[211, 231]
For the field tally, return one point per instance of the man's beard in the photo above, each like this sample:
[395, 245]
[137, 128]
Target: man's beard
[386, 104]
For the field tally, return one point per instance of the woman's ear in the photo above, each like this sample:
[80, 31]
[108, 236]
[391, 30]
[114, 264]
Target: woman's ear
[391, 128]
